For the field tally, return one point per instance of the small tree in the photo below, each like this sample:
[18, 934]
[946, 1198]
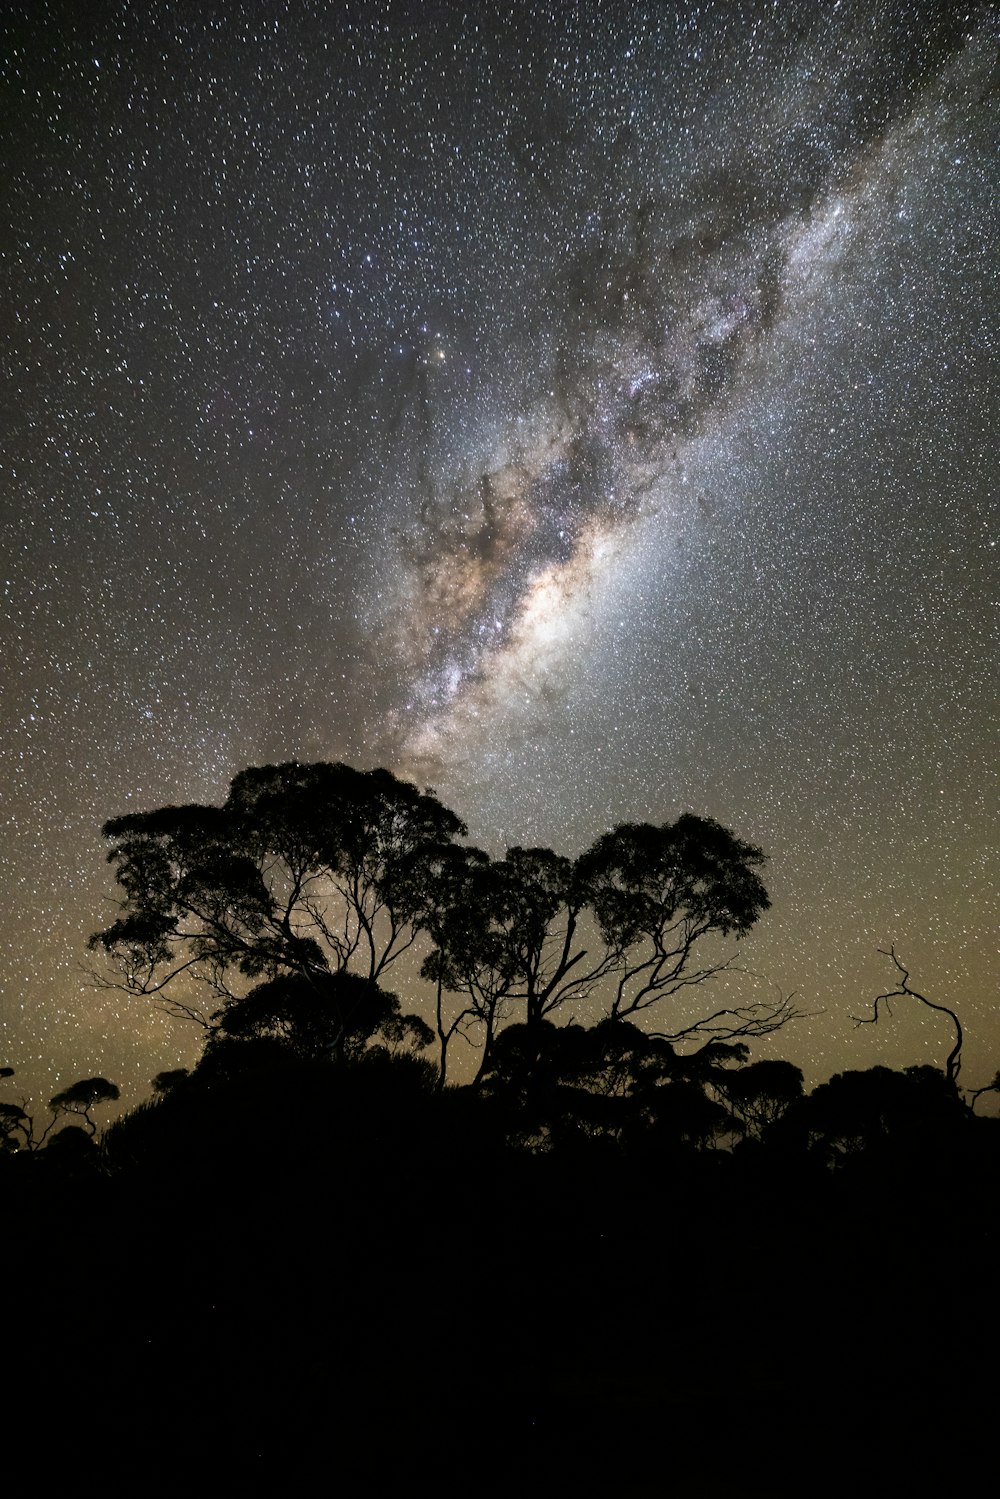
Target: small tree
[760, 1094]
[80, 1098]
[164, 1083]
[15, 1128]
[336, 1017]
[975, 1094]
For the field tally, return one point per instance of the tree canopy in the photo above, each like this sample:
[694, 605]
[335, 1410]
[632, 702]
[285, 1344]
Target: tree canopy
[308, 871]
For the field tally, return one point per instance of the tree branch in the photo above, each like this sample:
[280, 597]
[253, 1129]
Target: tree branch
[905, 989]
[749, 1021]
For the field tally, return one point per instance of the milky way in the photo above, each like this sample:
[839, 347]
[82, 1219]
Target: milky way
[664, 307]
[586, 410]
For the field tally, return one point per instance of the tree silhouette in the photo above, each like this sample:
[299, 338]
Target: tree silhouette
[760, 1094]
[305, 870]
[165, 1082]
[335, 1015]
[657, 892]
[559, 1085]
[975, 1094]
[461, 962]
[877, 1110]
[79, 1098]
[312, 870]
[904, 989]
[507, 934]
[953, 1062]
[14, 1122]
[537, 930]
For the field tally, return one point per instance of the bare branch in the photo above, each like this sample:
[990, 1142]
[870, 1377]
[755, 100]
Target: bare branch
[761, 1018]
[975, 1094]
[904, 989]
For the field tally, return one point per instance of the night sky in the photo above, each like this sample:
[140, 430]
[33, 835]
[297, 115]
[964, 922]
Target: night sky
[586, 410]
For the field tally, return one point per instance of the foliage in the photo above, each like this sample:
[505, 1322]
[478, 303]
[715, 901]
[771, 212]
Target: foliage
[311, 871]
[857, 1113]
[306, 869]
[624, 922]
[567, 1084]
[760, 1094]
[336, 1014]
[165, 1082]
[80, 1097]
[15, 1127]
[657, 891]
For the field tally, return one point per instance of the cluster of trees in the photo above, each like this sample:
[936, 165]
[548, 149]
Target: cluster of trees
[546, 1270]
[274, 920]
[17, 1127]
[309, 871]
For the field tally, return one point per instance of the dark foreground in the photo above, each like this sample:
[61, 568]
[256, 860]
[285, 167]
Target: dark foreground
[376, 1293]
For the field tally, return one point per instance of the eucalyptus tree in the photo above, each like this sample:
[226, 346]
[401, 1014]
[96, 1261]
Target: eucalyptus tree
[759, 1095]
[464, 964]
[336, 1017]
[79, 1098]
[620, 929]
[305, 870]
[508, 942]
[311, 870]
[659, 896]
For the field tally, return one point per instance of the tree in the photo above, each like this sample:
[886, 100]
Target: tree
[461, 961]
[507, 934]
[760, 1094]
[306, 870]
[657, 892]
[14, 1122]
[536, 910]
[313, 870]
[79, 1098]
[876, 1110]
[559, 1084]
[975, 1094]
[904, 989]
[626, 919]
[337, 1015]
[164, 1083]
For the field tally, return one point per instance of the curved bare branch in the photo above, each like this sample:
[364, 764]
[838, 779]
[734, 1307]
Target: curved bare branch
[904, 989]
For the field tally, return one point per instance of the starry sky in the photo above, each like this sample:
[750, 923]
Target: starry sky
[588, 410]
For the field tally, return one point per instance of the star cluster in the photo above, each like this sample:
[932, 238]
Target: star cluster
[587, 410]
